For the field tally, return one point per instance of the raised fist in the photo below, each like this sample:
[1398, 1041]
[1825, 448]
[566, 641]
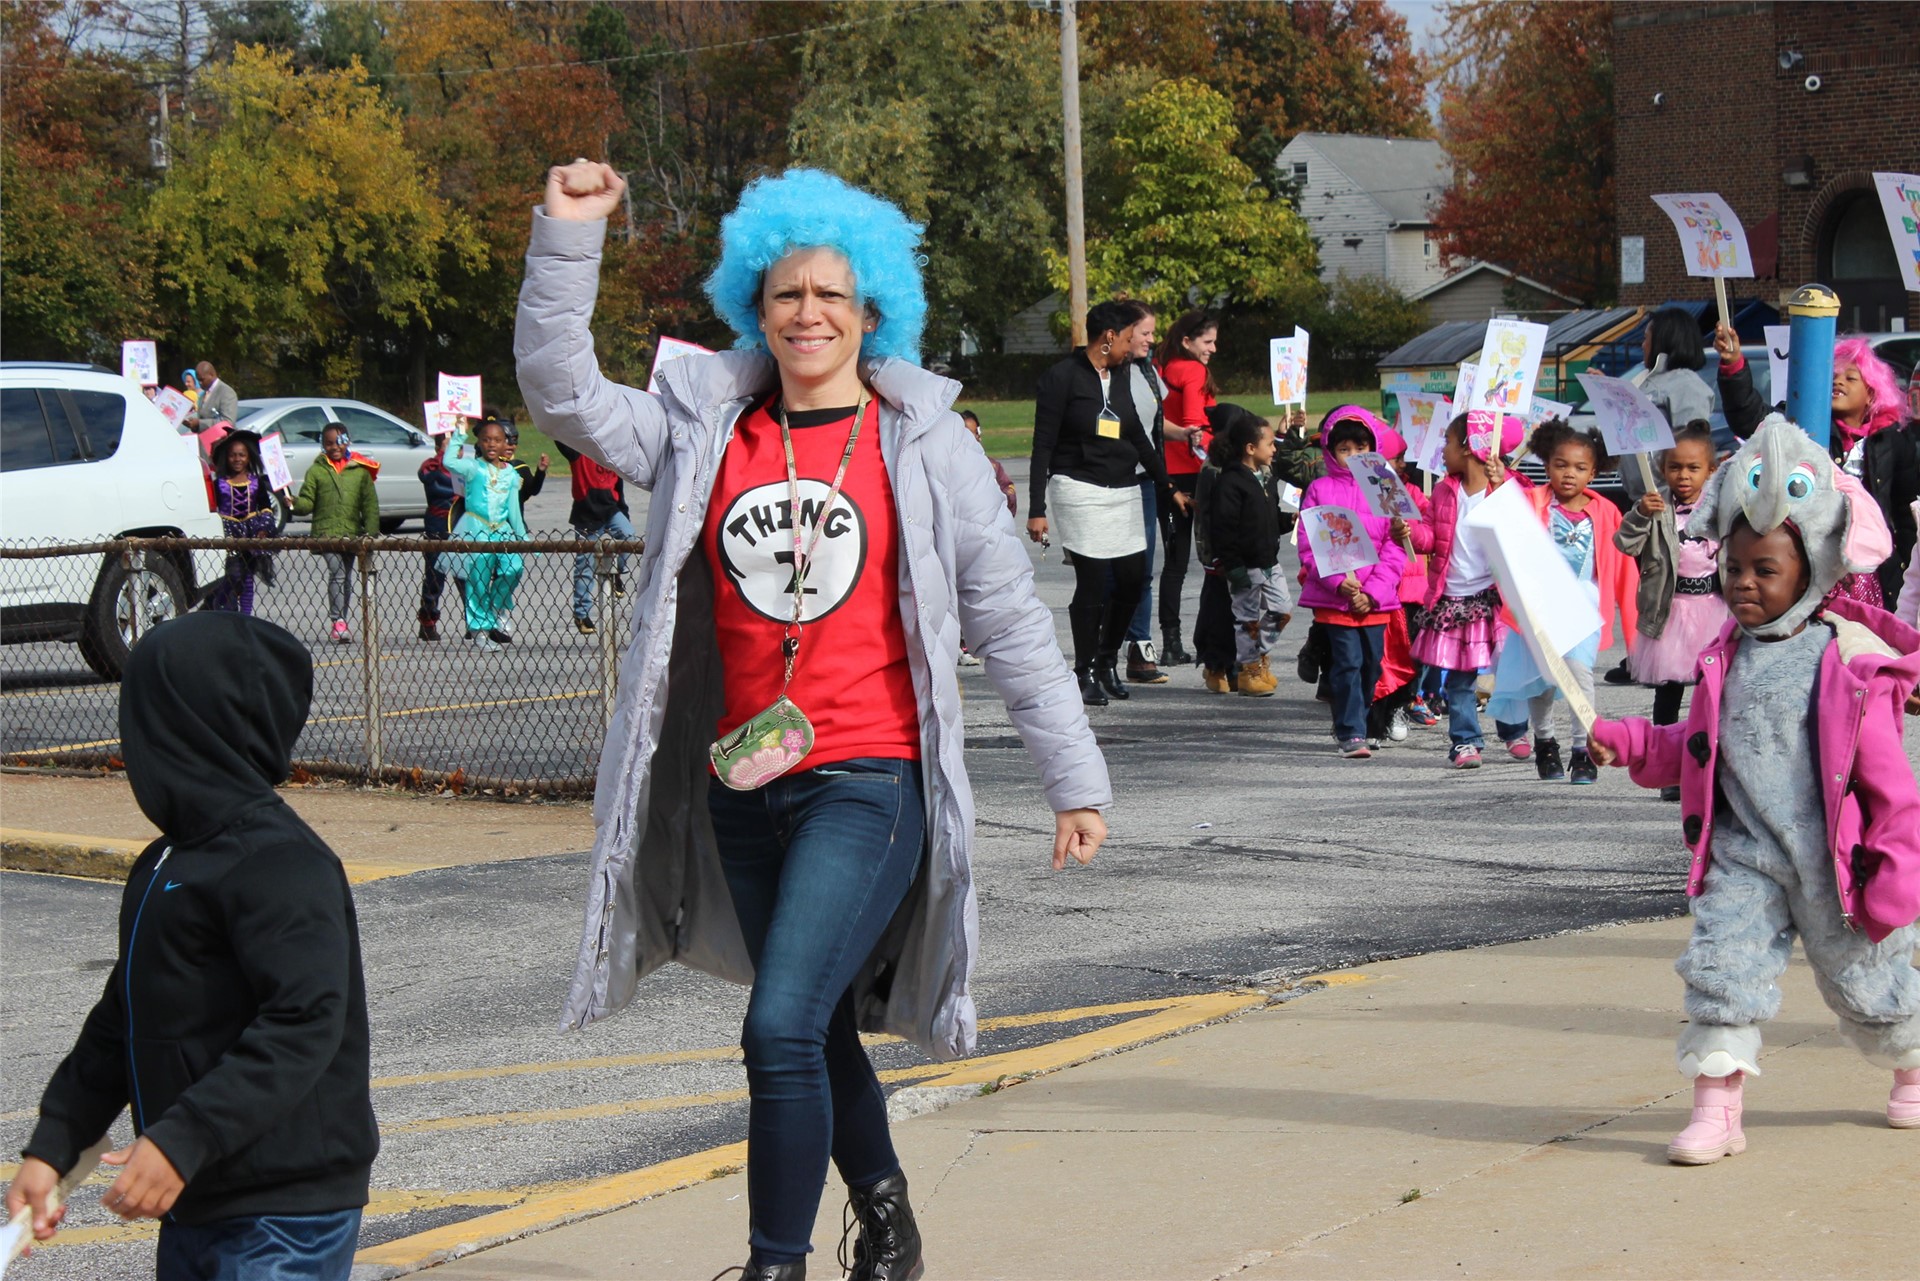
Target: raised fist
[583, 191]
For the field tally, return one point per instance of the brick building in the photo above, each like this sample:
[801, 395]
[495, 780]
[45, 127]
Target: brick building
[1786, 110]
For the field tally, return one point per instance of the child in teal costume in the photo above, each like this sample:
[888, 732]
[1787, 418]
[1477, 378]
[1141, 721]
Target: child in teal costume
[487, 579]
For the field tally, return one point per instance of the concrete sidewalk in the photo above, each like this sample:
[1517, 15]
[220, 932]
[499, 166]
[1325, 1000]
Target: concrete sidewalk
[76, 825]
[1501, 1112]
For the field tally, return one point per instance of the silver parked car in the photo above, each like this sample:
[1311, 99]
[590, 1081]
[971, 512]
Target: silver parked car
[397, 446]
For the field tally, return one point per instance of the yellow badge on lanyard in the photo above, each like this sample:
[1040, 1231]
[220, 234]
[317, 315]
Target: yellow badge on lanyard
[1108, 425]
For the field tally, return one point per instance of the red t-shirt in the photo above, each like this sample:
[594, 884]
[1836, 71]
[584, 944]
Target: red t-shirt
[852, 679]
[1186, 406]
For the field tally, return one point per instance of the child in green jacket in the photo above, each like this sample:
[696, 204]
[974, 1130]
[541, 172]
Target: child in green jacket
[339, 494]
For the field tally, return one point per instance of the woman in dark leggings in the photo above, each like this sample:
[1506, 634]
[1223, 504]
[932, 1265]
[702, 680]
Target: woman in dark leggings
[1087, 442]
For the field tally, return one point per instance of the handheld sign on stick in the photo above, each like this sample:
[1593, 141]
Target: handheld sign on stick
[1900, 202]
[460, 395]
[1711, 240]
[17, 1235]
[273, 457]
[1552, 607]
[1287, 362]
[140, 361]
[1385, 493]
[1628, 419]
[1339, 540]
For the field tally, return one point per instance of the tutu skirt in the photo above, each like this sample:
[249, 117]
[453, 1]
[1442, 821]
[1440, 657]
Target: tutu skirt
[1674, 655]
[1457, 633]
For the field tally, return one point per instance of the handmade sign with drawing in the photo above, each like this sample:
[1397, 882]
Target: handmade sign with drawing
[1287, 361]
[1900, 202]
[1339, 540]
[1627, 417]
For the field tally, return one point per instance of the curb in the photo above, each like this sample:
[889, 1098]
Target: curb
[95, 858]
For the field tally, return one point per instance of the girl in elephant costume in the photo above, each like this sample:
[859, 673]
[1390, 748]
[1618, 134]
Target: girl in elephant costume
[1800, 806]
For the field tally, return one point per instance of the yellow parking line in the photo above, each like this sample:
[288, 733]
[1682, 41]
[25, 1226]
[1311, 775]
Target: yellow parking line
[398, 713]
[66, 747]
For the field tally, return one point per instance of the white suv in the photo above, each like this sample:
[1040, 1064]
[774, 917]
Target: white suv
[85, 457]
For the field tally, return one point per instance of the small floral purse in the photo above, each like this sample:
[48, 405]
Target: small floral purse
[779, 736]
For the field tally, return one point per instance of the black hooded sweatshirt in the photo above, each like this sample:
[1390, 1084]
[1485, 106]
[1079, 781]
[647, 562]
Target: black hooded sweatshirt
[235, 1022]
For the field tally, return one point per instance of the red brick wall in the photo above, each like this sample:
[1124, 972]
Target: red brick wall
[1732, 121]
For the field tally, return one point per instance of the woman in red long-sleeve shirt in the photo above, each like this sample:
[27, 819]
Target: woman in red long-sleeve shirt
[1183, 361]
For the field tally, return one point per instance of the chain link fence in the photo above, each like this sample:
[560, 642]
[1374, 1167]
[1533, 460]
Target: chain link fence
[394, 700]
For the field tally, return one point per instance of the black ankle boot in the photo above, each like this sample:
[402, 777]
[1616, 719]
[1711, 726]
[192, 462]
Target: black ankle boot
[888, 1247]
[1090, 692]
[1107, 672]
[1171, 652]
[796, 1271]
[1546, 760]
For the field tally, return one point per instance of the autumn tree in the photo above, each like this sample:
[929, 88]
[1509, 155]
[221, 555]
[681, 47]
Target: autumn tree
[78, 273]
[1193, 224]
[302, 227]
[1527, 115]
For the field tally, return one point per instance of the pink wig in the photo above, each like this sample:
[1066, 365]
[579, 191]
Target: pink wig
[1884, 400]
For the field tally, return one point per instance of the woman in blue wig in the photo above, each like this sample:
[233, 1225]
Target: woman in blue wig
[782, 798]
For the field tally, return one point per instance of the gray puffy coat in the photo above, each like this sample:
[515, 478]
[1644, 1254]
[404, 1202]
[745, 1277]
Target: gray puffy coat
[657, 892]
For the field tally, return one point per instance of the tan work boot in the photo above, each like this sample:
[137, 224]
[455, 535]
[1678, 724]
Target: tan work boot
[1216, 679]
[1256, 679]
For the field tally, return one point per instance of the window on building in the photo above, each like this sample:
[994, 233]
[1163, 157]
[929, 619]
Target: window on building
[1300, 172]
[1855, 254]
[1426, 247]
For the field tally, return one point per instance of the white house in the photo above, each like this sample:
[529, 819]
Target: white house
[1370, 202]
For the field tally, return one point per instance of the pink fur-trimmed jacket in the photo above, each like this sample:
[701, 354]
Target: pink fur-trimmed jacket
[1871, 800]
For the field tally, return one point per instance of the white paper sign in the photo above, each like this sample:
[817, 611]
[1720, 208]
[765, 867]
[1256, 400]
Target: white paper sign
[1380, 485]
[1509, 364]
[140, 361]
[441, 421]
[173, 406]
[273, 456]
[1900, 201]
[460, 395]
[1779, 348]
[1287, 361]
[1711, 238]
[1424, 418]
[1290, 496]
[1339, 540]
[1541, 410]
[1552, 606]
[671, 349]
[1626, 415]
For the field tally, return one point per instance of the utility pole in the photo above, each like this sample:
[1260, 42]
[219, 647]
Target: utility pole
[1076, 204]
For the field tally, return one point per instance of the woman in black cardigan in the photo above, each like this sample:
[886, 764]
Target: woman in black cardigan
[1087, 443]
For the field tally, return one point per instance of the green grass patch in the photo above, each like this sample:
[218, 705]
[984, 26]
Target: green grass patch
[1006, 426]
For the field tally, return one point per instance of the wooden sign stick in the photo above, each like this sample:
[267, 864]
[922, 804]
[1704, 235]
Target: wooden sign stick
[1646, 473]
[1720, 296]
[1562, 676]
[18, 1232]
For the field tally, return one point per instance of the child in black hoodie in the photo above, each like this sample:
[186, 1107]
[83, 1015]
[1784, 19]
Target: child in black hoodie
[235, 1021]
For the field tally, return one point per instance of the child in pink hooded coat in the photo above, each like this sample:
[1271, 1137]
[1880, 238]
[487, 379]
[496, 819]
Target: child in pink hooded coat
[1354, 606]
[1798, 803]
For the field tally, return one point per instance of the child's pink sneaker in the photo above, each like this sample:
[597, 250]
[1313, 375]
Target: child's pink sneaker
[1464, 756]
[1714, 1131]
[1520, 749]
[340, 636]
[1903, 1105]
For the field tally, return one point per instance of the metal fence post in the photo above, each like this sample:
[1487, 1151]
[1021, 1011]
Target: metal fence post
[132, 594]
[604, 565]
[370, 660]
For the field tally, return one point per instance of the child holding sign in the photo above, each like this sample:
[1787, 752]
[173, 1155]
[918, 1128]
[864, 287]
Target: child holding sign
[1352, 604]
[1457, 628]
[1243, 535]
[1679, 599]
[1800, 807]
[1582, 525]
[487, 579]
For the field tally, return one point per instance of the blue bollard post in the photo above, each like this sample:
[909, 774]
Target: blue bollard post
[1811, 315]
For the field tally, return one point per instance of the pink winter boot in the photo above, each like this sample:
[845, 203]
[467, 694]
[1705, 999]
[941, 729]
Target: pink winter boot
[1903, 1105]
[1714, 1131]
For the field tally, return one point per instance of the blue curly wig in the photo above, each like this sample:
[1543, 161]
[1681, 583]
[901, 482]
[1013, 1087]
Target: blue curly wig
[806, 209]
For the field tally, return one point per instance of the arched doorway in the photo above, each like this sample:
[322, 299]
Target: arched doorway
[1856, 257]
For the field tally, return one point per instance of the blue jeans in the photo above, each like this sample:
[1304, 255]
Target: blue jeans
[1463, 710]
[1138, 626]
[264, 1247]
[818, 862]
[617, 527]
[1352, 675]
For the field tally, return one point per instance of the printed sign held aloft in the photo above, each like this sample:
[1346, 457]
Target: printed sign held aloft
[1900, 201]
[1552, 606]
[441, 421]
[1779, 352]
[1339, 540]
[1628, 419]
[140, 361]
[1711, 237]
[1423, 425]
[669, 349]
[273, 456]
[1509, 364]
[460, 395]
[1287, 361]
[1386, 495]
[1541, 410]
[173, 406]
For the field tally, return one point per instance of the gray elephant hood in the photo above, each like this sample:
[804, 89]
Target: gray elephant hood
[1782, 477]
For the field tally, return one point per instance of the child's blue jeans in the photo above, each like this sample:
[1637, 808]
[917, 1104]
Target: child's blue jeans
[1353, 674]
[817, 862]
[262, 1247]
[1463, 711]
[617, 526]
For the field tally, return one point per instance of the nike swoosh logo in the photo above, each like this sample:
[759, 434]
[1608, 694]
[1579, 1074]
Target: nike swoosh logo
[171, 885]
